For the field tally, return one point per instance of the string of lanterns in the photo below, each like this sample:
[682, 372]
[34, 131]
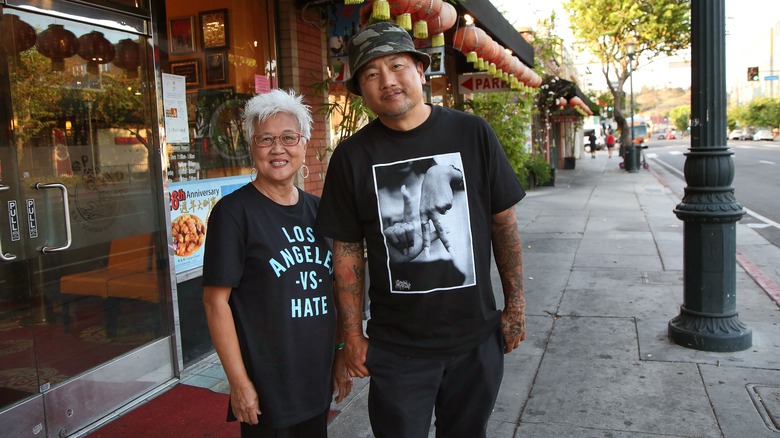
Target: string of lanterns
[58, 44]
[579, 106]
[431, 18]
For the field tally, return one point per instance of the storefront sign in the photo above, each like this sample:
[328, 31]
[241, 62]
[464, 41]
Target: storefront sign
[480, 83]
[191, 204]
[175, 107]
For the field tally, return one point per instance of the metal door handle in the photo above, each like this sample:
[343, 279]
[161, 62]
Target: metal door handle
[68, 240]
[3, 256]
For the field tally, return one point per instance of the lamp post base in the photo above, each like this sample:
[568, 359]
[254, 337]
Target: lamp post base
[709, 333]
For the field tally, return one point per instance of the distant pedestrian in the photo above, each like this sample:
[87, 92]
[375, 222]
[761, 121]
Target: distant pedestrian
[592, 140]
[610, 143]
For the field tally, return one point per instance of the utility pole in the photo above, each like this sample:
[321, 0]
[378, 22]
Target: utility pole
[708, 318]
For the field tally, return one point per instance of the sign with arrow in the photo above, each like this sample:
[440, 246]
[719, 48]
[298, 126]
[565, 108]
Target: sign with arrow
[480, 83]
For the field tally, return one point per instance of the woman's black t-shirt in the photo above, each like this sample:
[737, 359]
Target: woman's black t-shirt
[280, 272]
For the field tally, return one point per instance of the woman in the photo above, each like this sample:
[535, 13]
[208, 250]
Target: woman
[267, 284]
[610, 143]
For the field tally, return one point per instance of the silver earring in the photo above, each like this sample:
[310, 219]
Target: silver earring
[253, 175]
[304, 171]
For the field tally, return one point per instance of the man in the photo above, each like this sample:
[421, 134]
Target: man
[428, 189]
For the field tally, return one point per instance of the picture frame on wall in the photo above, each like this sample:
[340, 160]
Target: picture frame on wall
[214, 29]
[181, 35]
[437, 60]
[339, 68]
[190, 69]
[216, 68]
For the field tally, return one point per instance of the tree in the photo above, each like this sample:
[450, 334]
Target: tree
[763, 112]
[681, 117]
[659, 27]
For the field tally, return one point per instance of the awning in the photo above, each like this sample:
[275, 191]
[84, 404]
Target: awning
[567, 89]
[487, 18]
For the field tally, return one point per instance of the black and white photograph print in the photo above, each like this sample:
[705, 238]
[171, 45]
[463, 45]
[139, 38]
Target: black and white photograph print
[423, 204]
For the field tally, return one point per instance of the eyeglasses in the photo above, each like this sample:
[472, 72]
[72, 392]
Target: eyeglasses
[286, 139]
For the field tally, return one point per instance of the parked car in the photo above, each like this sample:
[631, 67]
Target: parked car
[763, 134]
[741, 134]
[660, 136]
[671, 135]
[736, 134]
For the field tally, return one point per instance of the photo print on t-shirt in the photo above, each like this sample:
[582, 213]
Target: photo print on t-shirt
[423, 204]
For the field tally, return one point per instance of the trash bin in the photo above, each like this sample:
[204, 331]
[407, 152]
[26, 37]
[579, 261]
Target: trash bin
[632, 159]
[568, 162]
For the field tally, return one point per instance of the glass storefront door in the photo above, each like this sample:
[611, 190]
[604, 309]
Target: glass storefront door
[84, 279]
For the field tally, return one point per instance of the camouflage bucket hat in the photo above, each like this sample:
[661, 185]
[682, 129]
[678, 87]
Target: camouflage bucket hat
[375, 40]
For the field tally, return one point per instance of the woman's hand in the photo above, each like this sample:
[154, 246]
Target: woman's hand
[342, 381]
[245, 404]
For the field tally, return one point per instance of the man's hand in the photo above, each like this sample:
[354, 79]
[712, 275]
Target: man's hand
[513, 327]
[356, 349]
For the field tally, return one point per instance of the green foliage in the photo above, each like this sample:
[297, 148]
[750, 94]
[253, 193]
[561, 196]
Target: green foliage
[763, 112]
[602, 27]
[509, 114]
[736, 116]
[681, 117]
[347, 113]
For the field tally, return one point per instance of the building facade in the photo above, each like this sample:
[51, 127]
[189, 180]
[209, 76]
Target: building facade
[121, 128]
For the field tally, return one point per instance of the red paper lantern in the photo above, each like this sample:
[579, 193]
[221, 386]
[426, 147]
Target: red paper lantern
[57, 43]
[505, 63]
[18, 35]
[469, 38]
[365, 14]
[535, 81]
[491, 52]
[429, 10]
[95, 49]
[526, 76]
[128, 56]
[444, 20]
[398, 7]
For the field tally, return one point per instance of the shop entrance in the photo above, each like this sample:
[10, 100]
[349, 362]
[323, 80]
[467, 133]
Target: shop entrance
[84, 278]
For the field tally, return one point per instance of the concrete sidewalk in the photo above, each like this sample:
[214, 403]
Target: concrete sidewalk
[603, 273]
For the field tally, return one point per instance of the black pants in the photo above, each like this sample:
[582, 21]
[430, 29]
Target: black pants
[463, 388]
[316, 427]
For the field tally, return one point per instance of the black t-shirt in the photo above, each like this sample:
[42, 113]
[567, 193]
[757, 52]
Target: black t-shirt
[440, 301]
[280, 272]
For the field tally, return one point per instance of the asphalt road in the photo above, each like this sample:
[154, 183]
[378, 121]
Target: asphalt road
[756, 181]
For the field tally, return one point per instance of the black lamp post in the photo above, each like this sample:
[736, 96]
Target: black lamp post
[708, 318]
[631, 153]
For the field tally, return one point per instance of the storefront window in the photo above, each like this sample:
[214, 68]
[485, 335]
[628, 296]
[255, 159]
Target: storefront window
[225, 51]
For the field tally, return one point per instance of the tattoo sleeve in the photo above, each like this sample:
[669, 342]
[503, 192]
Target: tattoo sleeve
[349, 282]
[508, 252]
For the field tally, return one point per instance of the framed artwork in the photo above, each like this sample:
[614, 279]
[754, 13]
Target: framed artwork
[216, 67]
[437, 60]
[181, 34]
[214, 29]
[190, 69]
[339, 68]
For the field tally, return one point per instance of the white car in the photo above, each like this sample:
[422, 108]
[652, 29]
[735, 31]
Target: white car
[735, 134]
[763, 134]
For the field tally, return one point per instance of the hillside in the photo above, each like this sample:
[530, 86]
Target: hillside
[658, 101]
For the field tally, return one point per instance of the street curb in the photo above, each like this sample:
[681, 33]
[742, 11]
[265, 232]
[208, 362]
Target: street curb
[770, 287]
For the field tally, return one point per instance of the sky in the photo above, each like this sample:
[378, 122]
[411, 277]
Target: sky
[748, 27]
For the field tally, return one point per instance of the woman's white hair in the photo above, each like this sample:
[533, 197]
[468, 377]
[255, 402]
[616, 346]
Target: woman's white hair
[263, 106]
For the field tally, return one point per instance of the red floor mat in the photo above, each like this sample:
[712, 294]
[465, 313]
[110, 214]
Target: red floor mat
[184, 411]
